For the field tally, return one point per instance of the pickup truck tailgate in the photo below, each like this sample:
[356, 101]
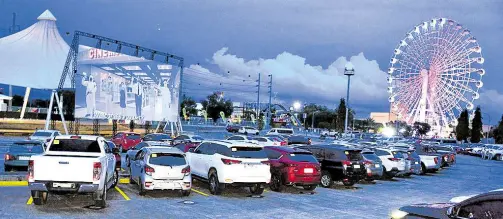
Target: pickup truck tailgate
[64, 168]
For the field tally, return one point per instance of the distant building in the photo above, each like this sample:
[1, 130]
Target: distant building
[383, 117]
[3, 105]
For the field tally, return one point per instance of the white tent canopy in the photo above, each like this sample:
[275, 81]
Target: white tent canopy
[35, 56]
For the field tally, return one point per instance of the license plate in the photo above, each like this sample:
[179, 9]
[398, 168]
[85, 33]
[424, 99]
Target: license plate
[377, 165]
[62, 185]
[23, 158]
[356, 166]
[308, 170]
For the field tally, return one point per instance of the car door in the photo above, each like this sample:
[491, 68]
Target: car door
[110, 161]
[274, 157]
[195, 159]
[135, 164]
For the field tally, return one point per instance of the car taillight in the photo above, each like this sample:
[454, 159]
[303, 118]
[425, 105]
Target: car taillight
[31, 171]
[283, 143]
[186, 170]
[346, 162]
[96, 171]
[229, 161]
[394, 159]
[266, 162]
[436, 160]
[149, 170]
[8, 157]
[367, 162]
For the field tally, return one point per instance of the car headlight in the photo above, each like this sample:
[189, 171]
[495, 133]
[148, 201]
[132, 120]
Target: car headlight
[398, 214]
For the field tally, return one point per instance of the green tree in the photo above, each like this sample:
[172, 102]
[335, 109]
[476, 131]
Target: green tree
[476, 133]
[498, 132]
[421, 128]
[341, 115]
[190, 106]
[408, 131]
[214, 105]
[17, 100]
[462, 129]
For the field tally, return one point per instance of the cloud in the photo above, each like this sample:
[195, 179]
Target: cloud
[491, 101]
[295, 79]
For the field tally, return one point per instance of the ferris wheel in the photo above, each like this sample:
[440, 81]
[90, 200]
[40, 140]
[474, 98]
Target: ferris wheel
[435, 72]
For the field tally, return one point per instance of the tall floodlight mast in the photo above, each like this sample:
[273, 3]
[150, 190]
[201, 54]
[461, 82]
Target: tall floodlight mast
[435, 72]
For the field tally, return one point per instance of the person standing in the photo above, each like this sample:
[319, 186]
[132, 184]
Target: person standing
[137, 90]
[166, 100]
[109, 95]
[122, 98]
[90, 85]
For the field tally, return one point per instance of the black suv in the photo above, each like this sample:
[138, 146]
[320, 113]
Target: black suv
[338, 163]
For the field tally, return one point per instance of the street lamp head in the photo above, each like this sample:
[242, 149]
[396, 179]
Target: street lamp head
[349, 69]
[296, 105]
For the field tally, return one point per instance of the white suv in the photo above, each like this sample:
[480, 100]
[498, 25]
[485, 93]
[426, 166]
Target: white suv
[280, 131]
[223, 163]
[248, 130]
[493, 152]
[393, 162]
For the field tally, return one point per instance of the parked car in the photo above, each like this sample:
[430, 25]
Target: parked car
[126, 140]
[299, 140]
[185, 147]
[18, 154]
[44, 135]
[158, 139]
[116, 151]
[327, 133]
[131, 153]
[338, 163]
[242, 138]
[292, 166]
[448, 155]
[73, 164]
[160, 168]
[233, 128]
[393, 162]
[415, 162]
[430, 161]
[227, 163]
[493, 152]
[187, 138]
[280, 131]
[268, 141]
[282, 138]
[373, 165]
[487, 205]
[248, 130]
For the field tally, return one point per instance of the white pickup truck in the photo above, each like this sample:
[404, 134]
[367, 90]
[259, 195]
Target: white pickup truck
[73, 164]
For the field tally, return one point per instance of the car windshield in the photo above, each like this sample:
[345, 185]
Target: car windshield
[370, 156]
[398, 154]
[26, 148]
[302, 157]
[133, 136]
[160, 137]
[249, 128]
[285, 131]
[75, 145]
[443, 148]
[166, 159]
[261, 139]
[42, 134]
[248, 152]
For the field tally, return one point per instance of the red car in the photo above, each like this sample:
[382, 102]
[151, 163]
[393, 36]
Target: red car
[292, 167]
[187, 146]
[126, 140]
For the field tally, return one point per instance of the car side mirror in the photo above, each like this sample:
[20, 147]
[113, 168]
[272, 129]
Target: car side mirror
[115, 150]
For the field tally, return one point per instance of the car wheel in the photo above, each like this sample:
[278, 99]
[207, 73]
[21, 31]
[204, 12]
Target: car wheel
[497, 157]
[423, 169]
[39, 197]
[7, 168]
[185, 193]
[256, 189]
[100, 199]
[348, 182]
[115, 179]
[256, 133]
[326, 179]
[215, 187]
[276, 183]
[142, 191]
[310, 188]
[386, 174]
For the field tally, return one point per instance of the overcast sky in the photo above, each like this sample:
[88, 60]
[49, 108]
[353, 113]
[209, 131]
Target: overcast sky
[303, 44]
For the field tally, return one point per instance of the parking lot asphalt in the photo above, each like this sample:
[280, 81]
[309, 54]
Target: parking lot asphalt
[469, 176]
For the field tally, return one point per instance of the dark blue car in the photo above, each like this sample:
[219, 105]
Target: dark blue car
[19, 154]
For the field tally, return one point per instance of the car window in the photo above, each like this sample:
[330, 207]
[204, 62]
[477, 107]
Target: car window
[198, 138]
[202, 149]
[236, 138]
[180, 147]
[381, 153]
[272, 154]
[42, 134]
[57, 134]
[140, 145]
[285, 131]
[221, 149]
[75, 145]
[261, 139]
[246, 152]
[398, 154]
[302, 157]
[133, 136]
[370, 156]
[211, 149]
[26, 148]
[139, 155]
[167, 159]
[118, 135]
[157, 137]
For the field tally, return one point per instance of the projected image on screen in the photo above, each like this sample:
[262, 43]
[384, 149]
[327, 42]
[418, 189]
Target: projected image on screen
[112, 85]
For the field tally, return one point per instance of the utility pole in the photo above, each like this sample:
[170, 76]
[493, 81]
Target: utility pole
[258, 96]
[269, 114]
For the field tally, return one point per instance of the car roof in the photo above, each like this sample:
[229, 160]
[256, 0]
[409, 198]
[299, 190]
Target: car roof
[27, 142]
[337, 147]
[232, 143]
[82, 137]
[154, 149]
[287, 149]
[41, 130]
[128, 133]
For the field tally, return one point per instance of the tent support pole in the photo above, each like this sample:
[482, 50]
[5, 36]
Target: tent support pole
[60, 109]
[26, 98]
[49, 110]
[158, 126]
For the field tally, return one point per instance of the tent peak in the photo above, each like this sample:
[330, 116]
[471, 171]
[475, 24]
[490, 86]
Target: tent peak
[47, 15]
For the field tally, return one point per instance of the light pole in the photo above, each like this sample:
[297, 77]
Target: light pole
[312, 120]
[349, 70]
[489, 123]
